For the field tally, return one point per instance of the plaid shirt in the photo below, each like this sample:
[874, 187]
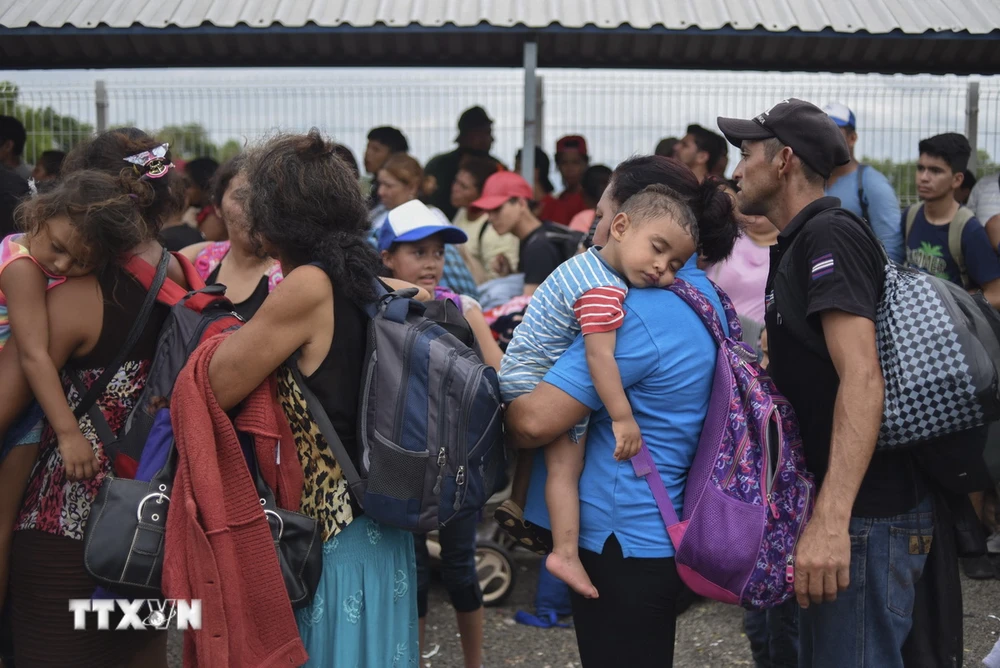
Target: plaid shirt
[456, 275]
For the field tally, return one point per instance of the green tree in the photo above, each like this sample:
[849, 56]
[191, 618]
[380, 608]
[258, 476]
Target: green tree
[189, 141]
[230, 149]
[46, 129]
[985, 164]
[903, 175]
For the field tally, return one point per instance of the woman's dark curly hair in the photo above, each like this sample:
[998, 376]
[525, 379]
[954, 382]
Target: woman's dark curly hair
[107, 152]
[718, 227]
[305, 202]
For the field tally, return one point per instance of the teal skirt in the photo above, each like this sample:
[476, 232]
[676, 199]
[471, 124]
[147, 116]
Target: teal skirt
[364, 613]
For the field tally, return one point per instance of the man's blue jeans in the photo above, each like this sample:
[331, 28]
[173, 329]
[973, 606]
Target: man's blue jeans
[774, 635]
[869, 622]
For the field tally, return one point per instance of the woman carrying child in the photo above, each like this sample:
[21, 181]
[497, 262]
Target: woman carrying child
[86, 227]
[653, 235]
[665, 358]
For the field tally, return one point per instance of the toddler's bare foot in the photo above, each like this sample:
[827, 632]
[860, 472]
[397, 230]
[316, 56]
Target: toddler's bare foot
[571, 571]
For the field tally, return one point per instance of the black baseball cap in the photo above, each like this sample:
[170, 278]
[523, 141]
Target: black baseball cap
[474, 118]
[801, 125]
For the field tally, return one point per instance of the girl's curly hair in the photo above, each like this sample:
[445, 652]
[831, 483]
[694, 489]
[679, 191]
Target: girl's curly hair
[104, 210]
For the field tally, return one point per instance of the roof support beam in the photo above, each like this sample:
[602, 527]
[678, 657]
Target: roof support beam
[530, 111]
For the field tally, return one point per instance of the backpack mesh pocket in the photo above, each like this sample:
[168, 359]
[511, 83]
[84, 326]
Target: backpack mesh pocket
[396, 473]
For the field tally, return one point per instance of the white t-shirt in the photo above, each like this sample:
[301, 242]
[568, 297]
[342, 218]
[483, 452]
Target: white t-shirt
[984, 200]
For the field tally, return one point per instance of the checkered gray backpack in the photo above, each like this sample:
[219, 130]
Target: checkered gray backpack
[939, 347]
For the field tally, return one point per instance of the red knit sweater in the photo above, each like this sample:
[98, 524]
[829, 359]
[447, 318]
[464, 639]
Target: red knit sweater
[218, 544]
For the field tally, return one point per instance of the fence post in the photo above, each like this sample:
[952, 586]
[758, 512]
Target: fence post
[530, 122]
[101, 99]
[972, 123]
[539, 112]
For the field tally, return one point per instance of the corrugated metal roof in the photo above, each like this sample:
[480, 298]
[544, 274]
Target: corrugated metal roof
[877, 17]
[858, 35]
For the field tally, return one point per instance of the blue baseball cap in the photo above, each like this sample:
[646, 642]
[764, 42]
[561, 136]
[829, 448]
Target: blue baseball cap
[413, 221]
[841, 115]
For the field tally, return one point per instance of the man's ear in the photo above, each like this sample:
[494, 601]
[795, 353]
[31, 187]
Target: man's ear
[783, 160]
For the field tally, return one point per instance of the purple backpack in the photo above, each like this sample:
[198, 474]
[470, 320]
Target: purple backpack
[748, 494]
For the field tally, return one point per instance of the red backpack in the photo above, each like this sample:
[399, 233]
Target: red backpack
[195, 316]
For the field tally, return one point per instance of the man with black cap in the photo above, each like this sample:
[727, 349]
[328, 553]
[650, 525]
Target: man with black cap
[475, 137]
[859, 557]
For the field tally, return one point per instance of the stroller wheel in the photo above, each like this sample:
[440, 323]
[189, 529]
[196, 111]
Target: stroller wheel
[496, 572]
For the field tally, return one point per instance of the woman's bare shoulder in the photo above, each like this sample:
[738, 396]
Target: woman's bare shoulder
[191, 252]
[86, 288]
[303, 287]
[76, 307]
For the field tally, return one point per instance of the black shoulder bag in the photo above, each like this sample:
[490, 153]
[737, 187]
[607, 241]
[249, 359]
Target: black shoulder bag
[123, 536]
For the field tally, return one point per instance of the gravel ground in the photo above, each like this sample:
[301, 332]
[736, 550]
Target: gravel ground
[708, 635]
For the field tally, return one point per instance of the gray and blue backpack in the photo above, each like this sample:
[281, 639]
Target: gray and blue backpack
[430, 420]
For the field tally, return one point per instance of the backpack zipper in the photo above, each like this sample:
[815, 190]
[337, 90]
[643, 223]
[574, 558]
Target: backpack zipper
[769, 479]
[442, 456]
[363, 417]
[463, 444]
[790, 561]
[736, 458]
[746, 436]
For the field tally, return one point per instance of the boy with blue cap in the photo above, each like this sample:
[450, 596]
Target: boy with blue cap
[863, 190]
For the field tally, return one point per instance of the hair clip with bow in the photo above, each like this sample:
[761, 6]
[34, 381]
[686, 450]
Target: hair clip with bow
[152, 163]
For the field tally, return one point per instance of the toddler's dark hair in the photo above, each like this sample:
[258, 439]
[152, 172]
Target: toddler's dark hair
[105, 210]
[660, 200]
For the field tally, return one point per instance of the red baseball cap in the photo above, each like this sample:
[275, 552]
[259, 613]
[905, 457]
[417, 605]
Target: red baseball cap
[572, 143]
[501, 187]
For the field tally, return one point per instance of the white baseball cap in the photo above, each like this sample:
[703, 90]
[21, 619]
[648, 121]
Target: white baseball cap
[841, 115]
[413, 221]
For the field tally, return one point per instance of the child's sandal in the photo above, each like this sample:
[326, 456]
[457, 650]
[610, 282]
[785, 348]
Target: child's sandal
[511, 519]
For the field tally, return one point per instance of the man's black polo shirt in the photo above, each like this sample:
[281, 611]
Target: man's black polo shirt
[833, 265]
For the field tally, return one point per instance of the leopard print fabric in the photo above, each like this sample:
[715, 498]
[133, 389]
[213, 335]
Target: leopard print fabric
[325, 495]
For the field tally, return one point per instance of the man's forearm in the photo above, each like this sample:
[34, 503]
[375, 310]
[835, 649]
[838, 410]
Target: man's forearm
[857, 416]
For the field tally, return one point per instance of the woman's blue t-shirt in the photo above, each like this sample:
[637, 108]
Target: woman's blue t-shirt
[667, 362]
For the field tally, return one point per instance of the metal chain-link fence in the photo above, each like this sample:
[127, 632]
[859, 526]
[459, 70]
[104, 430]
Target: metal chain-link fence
[620, 113]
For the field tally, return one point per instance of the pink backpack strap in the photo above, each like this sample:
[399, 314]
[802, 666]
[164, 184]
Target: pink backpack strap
[274, 276]
[643, 463]
[645, 467]
[210, 257]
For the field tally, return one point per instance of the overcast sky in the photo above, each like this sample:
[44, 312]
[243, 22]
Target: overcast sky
[620, 113]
